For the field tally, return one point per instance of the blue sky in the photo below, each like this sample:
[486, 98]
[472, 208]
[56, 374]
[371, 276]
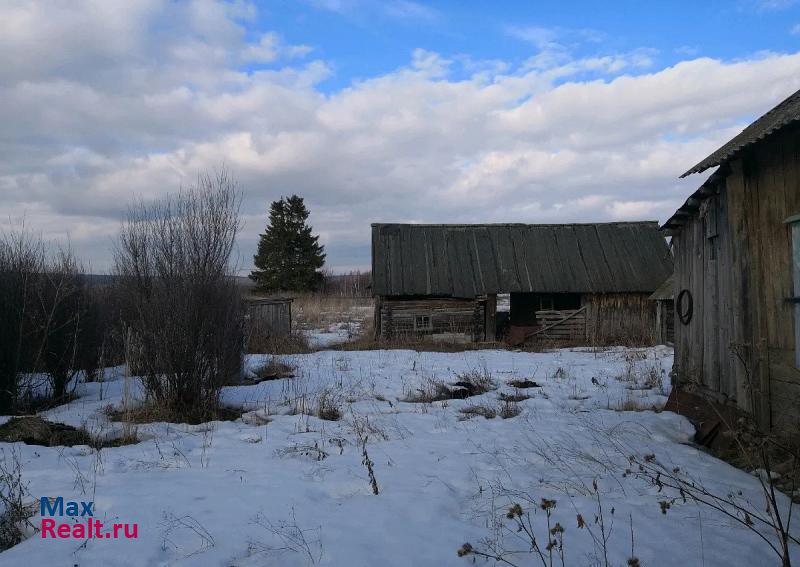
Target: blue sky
[393, 111]
[362, 39]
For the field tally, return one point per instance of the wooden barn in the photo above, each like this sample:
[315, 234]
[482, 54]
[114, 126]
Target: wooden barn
[736, 243]
[579, 283]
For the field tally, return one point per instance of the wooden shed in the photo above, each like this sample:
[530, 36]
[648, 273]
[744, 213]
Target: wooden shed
[269, 317]
[737, 273]
[581, 283]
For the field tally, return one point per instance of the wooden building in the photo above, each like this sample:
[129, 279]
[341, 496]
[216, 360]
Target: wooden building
[581, 283]
[736, 242]
[665, 311]
[269, 317]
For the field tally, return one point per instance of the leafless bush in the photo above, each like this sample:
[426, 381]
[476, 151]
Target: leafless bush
[328, 407]
[181, 302]
[509, 409]
[548, 547]
[49, 321]
[476, 381]
[751, 447]
[362, 430]
[291, 538]
[15, 508]
[470, 383]
[173, 524]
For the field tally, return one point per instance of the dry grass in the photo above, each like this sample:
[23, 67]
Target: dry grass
[431, 391]
[515, 397]
[634, 402]
[485, 411]
[509, 409]
[467, 384]
[317, 311]
[294, 343]
[328, 407]
[152, 413]
[275, 369]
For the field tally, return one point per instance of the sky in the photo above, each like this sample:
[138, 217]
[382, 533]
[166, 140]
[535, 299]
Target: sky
[391, 111]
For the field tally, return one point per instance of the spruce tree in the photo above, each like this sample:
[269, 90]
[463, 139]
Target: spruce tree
[289, 256]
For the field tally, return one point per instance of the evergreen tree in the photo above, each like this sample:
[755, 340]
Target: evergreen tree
[289, 256]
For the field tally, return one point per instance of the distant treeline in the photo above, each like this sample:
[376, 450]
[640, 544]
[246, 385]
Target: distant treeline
[352, 284]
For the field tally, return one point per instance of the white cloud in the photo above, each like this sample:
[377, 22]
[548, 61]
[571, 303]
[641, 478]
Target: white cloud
[270, 48]
[128, 110]
[773, 5]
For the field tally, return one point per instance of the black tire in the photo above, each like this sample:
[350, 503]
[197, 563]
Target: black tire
[684, 306]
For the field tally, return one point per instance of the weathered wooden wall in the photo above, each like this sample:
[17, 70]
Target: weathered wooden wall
[567, 325]
[734, 256]
[665, 321]
[620, 318]
[269, 318]
[448, 317]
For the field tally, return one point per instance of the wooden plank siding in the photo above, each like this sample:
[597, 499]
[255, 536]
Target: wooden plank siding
[620, 318]
[740, 280]
[269, 318]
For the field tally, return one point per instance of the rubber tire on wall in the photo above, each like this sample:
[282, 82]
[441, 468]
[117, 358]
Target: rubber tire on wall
[685, 315]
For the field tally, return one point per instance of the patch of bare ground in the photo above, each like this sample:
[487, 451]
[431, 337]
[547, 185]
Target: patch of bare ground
[34, 430]
[152, 413]
[274, 369]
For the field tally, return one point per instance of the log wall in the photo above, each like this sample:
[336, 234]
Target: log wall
[449, 318]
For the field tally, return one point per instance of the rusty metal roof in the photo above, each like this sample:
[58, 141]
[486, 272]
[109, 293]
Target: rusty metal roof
[782, 115]
[468, 260]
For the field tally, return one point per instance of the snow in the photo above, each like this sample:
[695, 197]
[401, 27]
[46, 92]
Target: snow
[256, 491]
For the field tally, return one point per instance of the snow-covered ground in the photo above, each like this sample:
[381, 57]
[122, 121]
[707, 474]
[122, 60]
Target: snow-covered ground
[274, 488]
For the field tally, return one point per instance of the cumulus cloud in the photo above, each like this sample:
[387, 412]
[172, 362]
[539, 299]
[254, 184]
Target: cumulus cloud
[135, 101]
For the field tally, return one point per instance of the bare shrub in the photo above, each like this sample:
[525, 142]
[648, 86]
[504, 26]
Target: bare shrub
[328, 408]
[467, 384]
[50, 322]
[15, 507]
[290, 538]
[476, 381]
[181, 301]
[362, 429]
[547, 546]
[509, 409]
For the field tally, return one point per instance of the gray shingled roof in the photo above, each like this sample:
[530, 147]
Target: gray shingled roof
[785, 113]
[471, 260]
[665, 291]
